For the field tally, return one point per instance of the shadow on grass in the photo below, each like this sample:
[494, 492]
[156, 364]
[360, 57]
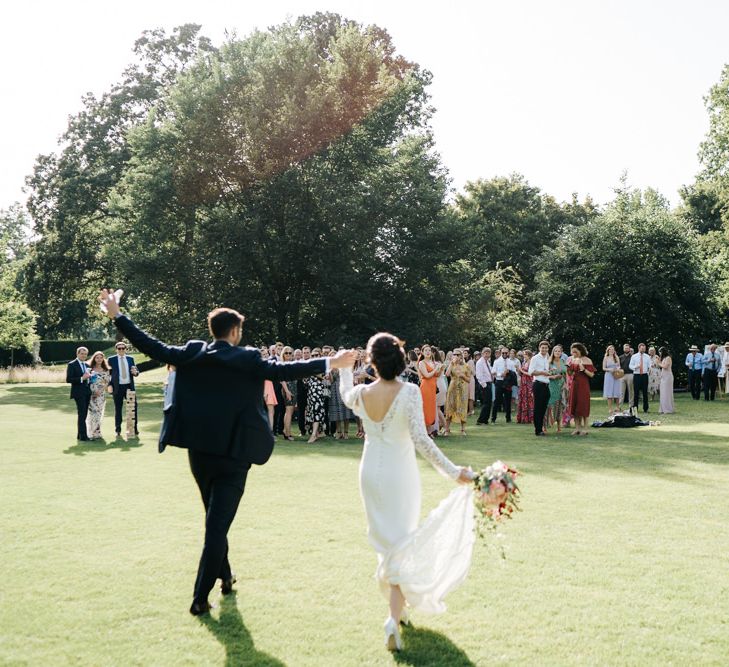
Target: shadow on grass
[232, 633]
[55, 397]
[423, 647]
[95, 446]
[656, 451]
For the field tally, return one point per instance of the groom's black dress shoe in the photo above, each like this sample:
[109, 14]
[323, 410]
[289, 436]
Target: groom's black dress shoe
[227, 586]
[199, 608]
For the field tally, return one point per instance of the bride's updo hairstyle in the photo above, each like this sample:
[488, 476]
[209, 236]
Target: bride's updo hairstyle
[386, 355]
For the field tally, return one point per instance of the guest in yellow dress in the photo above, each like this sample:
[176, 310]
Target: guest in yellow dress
[456, 408]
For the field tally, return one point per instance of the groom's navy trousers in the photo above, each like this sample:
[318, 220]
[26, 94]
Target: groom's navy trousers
[221, 481]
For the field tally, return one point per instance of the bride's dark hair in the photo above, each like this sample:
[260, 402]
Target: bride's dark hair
[386, 355]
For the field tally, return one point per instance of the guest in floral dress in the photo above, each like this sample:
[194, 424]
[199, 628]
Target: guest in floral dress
[456, 407]
[654, 374]
[315, 412]
[99, 381]
[557, 393]
[525, 404]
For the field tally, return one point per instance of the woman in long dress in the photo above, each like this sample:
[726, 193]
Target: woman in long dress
[580, 367]
[666, 390]
[99, 381]
[612, 387]
[457, 401]
[428, 369]
[654, 374]
[417, 565]
[525, 404]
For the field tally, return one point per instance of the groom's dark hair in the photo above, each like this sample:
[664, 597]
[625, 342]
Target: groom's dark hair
[222, 320]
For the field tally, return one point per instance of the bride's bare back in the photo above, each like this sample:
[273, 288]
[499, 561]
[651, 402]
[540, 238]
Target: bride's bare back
[378, 397]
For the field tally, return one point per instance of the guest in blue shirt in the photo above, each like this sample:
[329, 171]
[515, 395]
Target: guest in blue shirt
[695, 365]
[712, 364]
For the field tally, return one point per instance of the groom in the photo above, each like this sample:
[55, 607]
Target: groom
[217, 414]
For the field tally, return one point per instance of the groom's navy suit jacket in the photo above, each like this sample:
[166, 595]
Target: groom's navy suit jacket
[218, 394]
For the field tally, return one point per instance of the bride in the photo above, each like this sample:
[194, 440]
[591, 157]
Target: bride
[417, 564]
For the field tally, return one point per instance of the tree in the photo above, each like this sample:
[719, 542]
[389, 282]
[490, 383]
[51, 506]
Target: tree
[293, 176]
[17, 328]
[17, 320]
[508, 221]
[631, 274]
[69, 190]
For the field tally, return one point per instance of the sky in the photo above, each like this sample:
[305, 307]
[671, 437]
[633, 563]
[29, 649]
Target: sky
[569, 94]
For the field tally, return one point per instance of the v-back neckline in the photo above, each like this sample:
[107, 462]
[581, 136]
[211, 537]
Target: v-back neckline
[389, 409]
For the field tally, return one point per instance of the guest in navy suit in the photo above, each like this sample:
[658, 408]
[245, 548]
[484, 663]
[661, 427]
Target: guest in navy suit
[217, 414]
[77, 375]
[123, 372]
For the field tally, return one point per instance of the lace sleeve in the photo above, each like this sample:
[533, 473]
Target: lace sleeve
[349, 393]
[427, 448]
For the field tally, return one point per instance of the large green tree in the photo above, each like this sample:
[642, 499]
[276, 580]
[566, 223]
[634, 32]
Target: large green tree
[293, 177]
[69, 189]
[507, 222]
[17, 320]
[632, 274]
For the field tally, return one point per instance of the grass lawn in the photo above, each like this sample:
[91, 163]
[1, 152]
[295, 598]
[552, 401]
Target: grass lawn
[619, 558]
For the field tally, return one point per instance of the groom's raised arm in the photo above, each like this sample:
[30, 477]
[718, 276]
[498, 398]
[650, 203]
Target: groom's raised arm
[169, 354]
[293, 370]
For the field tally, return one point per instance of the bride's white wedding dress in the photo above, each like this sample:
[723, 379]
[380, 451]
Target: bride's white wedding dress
[428, 560]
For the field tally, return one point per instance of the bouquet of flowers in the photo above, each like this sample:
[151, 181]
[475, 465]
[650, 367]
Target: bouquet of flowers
[496, 496]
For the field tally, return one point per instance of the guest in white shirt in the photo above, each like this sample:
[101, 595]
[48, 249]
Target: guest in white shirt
[640, 364]
[502, 368]
[539, 370]
[485, 379]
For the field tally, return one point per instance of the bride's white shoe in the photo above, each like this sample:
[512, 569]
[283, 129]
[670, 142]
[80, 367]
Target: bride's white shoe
[392, 635]
[405, 616]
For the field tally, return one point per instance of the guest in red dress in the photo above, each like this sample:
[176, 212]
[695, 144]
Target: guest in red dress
[525, 406]
[580, 367]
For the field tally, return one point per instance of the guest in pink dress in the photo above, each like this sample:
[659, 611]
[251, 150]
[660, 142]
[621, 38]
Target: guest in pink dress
[666, 384]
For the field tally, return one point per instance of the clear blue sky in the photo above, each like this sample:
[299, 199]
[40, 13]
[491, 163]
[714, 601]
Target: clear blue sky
[567, 93]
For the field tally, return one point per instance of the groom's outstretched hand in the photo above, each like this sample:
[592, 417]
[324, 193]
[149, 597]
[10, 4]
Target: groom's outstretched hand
[108, 301]
[343, 359]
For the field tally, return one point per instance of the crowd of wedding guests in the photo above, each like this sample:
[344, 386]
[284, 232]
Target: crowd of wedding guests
[547, 387]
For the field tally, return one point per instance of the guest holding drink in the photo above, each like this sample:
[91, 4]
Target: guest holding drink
[99, 381]
[581, 368]
[666, 390]
[612, 388]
